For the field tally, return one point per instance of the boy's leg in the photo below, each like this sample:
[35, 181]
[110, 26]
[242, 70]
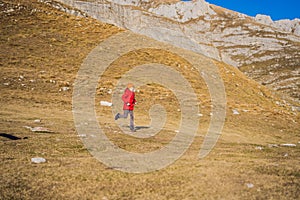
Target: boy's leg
[125, 114]
[117, 116]
[131, 120]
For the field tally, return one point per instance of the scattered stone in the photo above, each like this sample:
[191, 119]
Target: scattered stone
[250, 185]
[37, 121]
[105, 103]
[235, 112]
[82, 135]
[288, 145]
[259, 148]
[66, 83]
[38, 160]
[273, 145]
[286, 155]
[200, 115]
[295, 108]
[6, 84]
[39, 129]
[9, 11]
[64, 89]
[176, 131]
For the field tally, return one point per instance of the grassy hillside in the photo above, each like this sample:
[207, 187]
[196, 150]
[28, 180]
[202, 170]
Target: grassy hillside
[41, 51]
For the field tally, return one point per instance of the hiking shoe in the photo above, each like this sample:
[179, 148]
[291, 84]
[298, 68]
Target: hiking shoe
[117, 116]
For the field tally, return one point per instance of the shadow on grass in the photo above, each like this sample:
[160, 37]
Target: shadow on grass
[11, 137]
[141, 127]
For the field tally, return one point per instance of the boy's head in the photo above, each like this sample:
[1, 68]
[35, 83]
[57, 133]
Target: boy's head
[130, 86]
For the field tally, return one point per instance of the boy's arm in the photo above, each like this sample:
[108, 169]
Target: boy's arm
[133, 101]
[125, 98]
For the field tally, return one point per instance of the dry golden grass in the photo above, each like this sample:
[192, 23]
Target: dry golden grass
[50, 45]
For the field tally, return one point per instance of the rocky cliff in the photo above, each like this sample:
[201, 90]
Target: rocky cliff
[265, 50]
[290, 26]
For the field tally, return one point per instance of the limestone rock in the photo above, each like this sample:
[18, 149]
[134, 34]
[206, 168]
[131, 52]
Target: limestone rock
[38, 160]
[264, 19]
[183, 11]
[286, 25]
[291, 26]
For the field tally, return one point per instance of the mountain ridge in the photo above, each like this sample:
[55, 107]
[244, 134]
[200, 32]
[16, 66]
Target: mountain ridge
[263, 52]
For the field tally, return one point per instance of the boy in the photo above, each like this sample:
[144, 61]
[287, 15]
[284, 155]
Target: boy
[129, 101]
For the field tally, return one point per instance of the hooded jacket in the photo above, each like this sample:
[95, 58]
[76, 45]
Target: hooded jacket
[128, 98]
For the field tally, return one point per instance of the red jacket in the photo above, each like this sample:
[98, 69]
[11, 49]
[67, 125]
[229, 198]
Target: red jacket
[128, 97]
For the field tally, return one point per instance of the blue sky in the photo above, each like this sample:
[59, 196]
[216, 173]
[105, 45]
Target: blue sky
[277, 9]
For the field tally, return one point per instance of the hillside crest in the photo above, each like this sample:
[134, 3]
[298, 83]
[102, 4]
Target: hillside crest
[265, 50]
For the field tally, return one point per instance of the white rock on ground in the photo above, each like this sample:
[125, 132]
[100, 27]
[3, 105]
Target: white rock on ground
[37, 121]
[235, 112]
[39, 129]
[288, 145]
[64, 89]
[105, 103]
[272, 145]
[38, 160]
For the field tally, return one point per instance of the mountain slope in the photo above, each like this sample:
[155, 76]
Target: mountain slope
[42, 50]
[265, 53]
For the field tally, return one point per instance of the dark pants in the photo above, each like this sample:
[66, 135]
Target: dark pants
[125, 115]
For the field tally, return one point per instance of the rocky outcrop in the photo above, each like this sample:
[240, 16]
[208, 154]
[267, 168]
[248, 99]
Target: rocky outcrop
[64, 8]
[286, 25]
[183, 11]
[145, 17]
[258, 46]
